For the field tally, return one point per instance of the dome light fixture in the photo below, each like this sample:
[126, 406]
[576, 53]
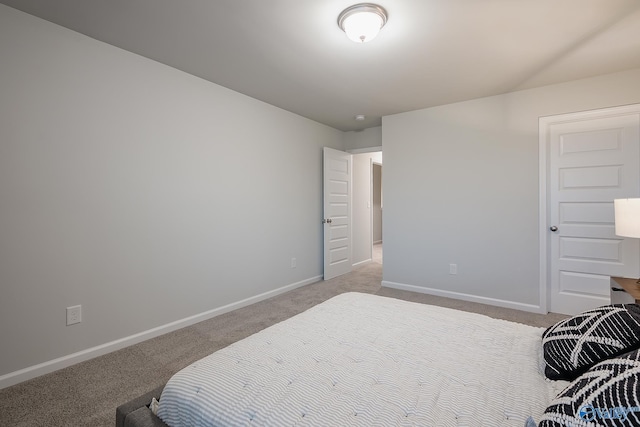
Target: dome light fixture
[362, 22]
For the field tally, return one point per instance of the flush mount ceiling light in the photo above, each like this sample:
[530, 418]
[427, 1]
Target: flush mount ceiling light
[362, 21]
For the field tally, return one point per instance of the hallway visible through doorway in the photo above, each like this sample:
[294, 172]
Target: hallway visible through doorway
[377, 253]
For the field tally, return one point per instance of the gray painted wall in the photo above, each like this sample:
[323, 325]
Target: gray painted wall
[364, 139]
[461, 186]
[141, 192]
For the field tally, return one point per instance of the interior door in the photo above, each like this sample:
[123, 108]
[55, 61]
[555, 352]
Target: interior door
[592, 160]
[337, 212]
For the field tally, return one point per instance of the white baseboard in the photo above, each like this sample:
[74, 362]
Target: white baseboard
[466, 297]
[71, 359]
[366, 261]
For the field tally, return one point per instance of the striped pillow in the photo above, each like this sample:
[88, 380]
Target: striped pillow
[607, 394]
[574, 345]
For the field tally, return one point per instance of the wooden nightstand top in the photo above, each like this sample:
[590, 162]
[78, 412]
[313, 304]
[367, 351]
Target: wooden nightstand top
[629, 285]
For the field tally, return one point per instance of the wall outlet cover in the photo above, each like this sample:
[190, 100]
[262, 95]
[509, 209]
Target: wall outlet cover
[74, 315]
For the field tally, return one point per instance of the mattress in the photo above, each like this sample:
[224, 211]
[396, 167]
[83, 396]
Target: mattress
[364, 360]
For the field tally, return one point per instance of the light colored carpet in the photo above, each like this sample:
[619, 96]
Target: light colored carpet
[88, 393]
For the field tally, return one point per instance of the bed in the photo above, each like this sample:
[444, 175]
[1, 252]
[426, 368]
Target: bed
[365, 360]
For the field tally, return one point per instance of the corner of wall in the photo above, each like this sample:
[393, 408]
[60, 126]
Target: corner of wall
[363, 139]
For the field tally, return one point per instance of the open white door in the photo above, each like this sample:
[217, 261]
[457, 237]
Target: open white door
[337, 213]
[593, 158]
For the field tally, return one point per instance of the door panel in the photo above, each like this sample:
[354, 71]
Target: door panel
[590, 177]
[591, 162]
[337, 213]
[586, 214]
[594, 285]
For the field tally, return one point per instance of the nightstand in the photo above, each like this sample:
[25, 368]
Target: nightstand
[624, 291]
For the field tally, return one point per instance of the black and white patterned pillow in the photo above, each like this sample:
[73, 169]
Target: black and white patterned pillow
[573, 345]
[606, 395]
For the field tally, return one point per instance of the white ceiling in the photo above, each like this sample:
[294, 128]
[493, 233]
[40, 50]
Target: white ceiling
[291, 53]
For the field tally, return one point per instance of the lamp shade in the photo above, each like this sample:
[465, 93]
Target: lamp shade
[627, 217]
[362, 22]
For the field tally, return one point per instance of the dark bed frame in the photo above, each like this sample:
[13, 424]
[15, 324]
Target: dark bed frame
[136, 413]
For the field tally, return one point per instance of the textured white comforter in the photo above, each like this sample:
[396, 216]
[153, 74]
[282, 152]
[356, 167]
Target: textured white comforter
[365, 360]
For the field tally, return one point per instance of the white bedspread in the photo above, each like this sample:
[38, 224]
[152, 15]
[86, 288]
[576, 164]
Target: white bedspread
[365, 360]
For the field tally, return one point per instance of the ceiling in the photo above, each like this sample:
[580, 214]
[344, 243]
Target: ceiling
[291, 53]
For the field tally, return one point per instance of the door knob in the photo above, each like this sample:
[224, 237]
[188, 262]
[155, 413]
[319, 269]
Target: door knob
[553, 228]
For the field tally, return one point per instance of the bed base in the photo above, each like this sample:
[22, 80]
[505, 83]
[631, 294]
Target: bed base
[136, 412]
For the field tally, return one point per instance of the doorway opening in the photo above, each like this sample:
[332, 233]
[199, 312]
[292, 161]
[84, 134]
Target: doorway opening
[366, 211]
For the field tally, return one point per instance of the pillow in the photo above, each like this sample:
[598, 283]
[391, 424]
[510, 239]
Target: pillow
[608, 394]
[573, 345]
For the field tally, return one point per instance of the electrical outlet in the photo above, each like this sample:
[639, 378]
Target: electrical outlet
[453, 268]
[294, 263]
[74, 315]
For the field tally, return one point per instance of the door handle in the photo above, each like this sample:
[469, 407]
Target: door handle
[553, 228]
[326, 221]
[618, 290]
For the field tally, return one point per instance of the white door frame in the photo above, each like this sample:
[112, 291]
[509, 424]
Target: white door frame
[371, 188]
[544, 221]
[372, 163]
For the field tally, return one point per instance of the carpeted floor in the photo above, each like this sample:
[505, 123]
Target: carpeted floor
[88, 393]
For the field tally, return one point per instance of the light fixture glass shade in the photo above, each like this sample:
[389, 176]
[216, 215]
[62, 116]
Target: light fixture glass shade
[362, 22]
[627, 217]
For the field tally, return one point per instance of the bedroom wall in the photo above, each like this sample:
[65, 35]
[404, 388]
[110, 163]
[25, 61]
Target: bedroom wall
[363, 139]
[461, 186]
[144, 194]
